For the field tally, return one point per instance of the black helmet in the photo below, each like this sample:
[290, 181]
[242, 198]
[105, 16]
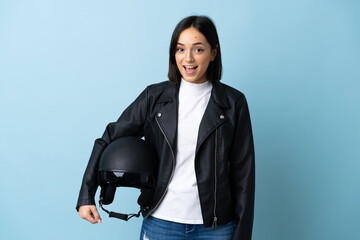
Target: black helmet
[127, 162]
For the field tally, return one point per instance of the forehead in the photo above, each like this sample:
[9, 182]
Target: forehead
[191, 35]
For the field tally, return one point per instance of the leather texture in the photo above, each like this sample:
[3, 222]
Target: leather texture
[224, 160]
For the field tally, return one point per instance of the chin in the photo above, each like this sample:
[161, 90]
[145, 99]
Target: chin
[192, 80]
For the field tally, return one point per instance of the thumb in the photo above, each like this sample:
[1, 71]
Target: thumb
[95, 214]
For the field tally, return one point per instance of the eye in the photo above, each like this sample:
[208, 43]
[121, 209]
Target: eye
[179, 49]
[199, 50]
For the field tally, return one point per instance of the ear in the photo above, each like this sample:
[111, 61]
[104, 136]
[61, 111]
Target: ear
[214, 53]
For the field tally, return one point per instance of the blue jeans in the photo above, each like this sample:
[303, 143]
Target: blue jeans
[158, 229]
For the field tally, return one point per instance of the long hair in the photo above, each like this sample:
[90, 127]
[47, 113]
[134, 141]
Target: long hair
[206, 26]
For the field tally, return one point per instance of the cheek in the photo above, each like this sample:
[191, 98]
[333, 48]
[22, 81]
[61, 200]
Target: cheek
[178, 63]
[204, 60]
[177, 60]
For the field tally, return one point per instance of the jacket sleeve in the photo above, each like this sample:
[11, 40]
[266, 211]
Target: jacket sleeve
[242, 173]
[130, 123]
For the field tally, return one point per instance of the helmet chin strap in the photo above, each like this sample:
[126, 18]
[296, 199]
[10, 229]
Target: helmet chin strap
[121, 216]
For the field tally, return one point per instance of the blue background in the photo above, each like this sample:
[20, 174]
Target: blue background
[67, 68]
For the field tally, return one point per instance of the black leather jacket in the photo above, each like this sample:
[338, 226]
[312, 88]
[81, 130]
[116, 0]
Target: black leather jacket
[224, 160]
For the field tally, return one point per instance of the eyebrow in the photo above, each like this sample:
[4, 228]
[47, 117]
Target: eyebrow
[197, 43]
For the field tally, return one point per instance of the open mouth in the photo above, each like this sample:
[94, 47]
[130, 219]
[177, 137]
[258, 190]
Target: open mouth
[190, 69]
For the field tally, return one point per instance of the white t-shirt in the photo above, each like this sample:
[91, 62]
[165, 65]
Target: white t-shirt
[181, 202]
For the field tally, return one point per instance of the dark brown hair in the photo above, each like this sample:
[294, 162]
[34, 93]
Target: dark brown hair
[206, 26]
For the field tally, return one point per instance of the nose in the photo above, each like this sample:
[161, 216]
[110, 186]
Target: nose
[189, 56]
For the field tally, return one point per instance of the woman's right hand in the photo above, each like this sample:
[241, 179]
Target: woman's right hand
[89, 213]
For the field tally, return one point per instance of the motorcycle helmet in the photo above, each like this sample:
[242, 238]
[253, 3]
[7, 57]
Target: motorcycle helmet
[127, 162]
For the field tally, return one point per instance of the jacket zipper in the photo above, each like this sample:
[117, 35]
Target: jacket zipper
[172, 173]
[215, 190]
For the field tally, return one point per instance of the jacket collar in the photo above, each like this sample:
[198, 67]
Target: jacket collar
[218, 94]
[169, 92]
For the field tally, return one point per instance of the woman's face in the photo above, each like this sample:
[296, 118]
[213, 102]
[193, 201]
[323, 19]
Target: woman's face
[193, 55]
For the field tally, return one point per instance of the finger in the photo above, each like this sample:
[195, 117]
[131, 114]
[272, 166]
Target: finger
[96, 215]
[86, 214]
[90, 218]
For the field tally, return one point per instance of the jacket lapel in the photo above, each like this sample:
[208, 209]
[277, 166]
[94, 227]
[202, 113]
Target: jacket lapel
[167, 115]
[214, 115]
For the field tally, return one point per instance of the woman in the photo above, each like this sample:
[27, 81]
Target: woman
[202, 133]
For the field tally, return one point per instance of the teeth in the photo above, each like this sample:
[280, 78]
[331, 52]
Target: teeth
[190, 67]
